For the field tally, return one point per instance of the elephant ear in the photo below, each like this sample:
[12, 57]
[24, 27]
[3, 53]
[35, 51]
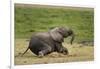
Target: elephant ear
[56, 36]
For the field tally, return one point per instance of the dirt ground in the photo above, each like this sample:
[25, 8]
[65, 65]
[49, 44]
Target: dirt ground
[77, 52]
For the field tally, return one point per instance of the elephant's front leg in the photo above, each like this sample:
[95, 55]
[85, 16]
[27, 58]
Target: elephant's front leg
[61, 49]
[65, 51]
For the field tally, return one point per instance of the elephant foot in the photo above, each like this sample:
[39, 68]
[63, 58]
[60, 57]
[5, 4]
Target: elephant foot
[65, 52]
[40, 55]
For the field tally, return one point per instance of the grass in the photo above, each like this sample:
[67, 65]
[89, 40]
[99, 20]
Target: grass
[35, 18]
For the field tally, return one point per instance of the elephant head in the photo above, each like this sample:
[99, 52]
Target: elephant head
[59, 33]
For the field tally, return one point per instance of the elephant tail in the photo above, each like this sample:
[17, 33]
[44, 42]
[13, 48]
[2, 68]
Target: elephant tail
[25, 51]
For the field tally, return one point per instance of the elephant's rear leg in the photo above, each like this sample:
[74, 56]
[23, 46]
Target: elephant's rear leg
[40, 54]
[44, 52]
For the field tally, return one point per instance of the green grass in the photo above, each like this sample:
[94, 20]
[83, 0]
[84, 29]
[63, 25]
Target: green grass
[34, 19]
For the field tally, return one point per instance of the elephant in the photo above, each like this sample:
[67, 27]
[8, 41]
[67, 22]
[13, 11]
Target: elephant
[43, 43]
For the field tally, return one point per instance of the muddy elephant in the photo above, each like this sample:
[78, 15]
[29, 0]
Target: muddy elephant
[43, 43]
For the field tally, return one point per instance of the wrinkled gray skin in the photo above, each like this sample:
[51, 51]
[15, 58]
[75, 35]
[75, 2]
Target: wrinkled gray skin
[44, 43]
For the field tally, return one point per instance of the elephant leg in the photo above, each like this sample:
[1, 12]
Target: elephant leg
[58, 47]
[65, 51]
[61, 49]
[40, 54]
[45, 51]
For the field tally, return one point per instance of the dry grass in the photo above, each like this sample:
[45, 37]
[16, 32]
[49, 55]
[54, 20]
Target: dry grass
[77, 52]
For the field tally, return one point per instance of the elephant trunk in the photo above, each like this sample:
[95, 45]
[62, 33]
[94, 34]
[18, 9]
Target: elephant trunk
[72, 38]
